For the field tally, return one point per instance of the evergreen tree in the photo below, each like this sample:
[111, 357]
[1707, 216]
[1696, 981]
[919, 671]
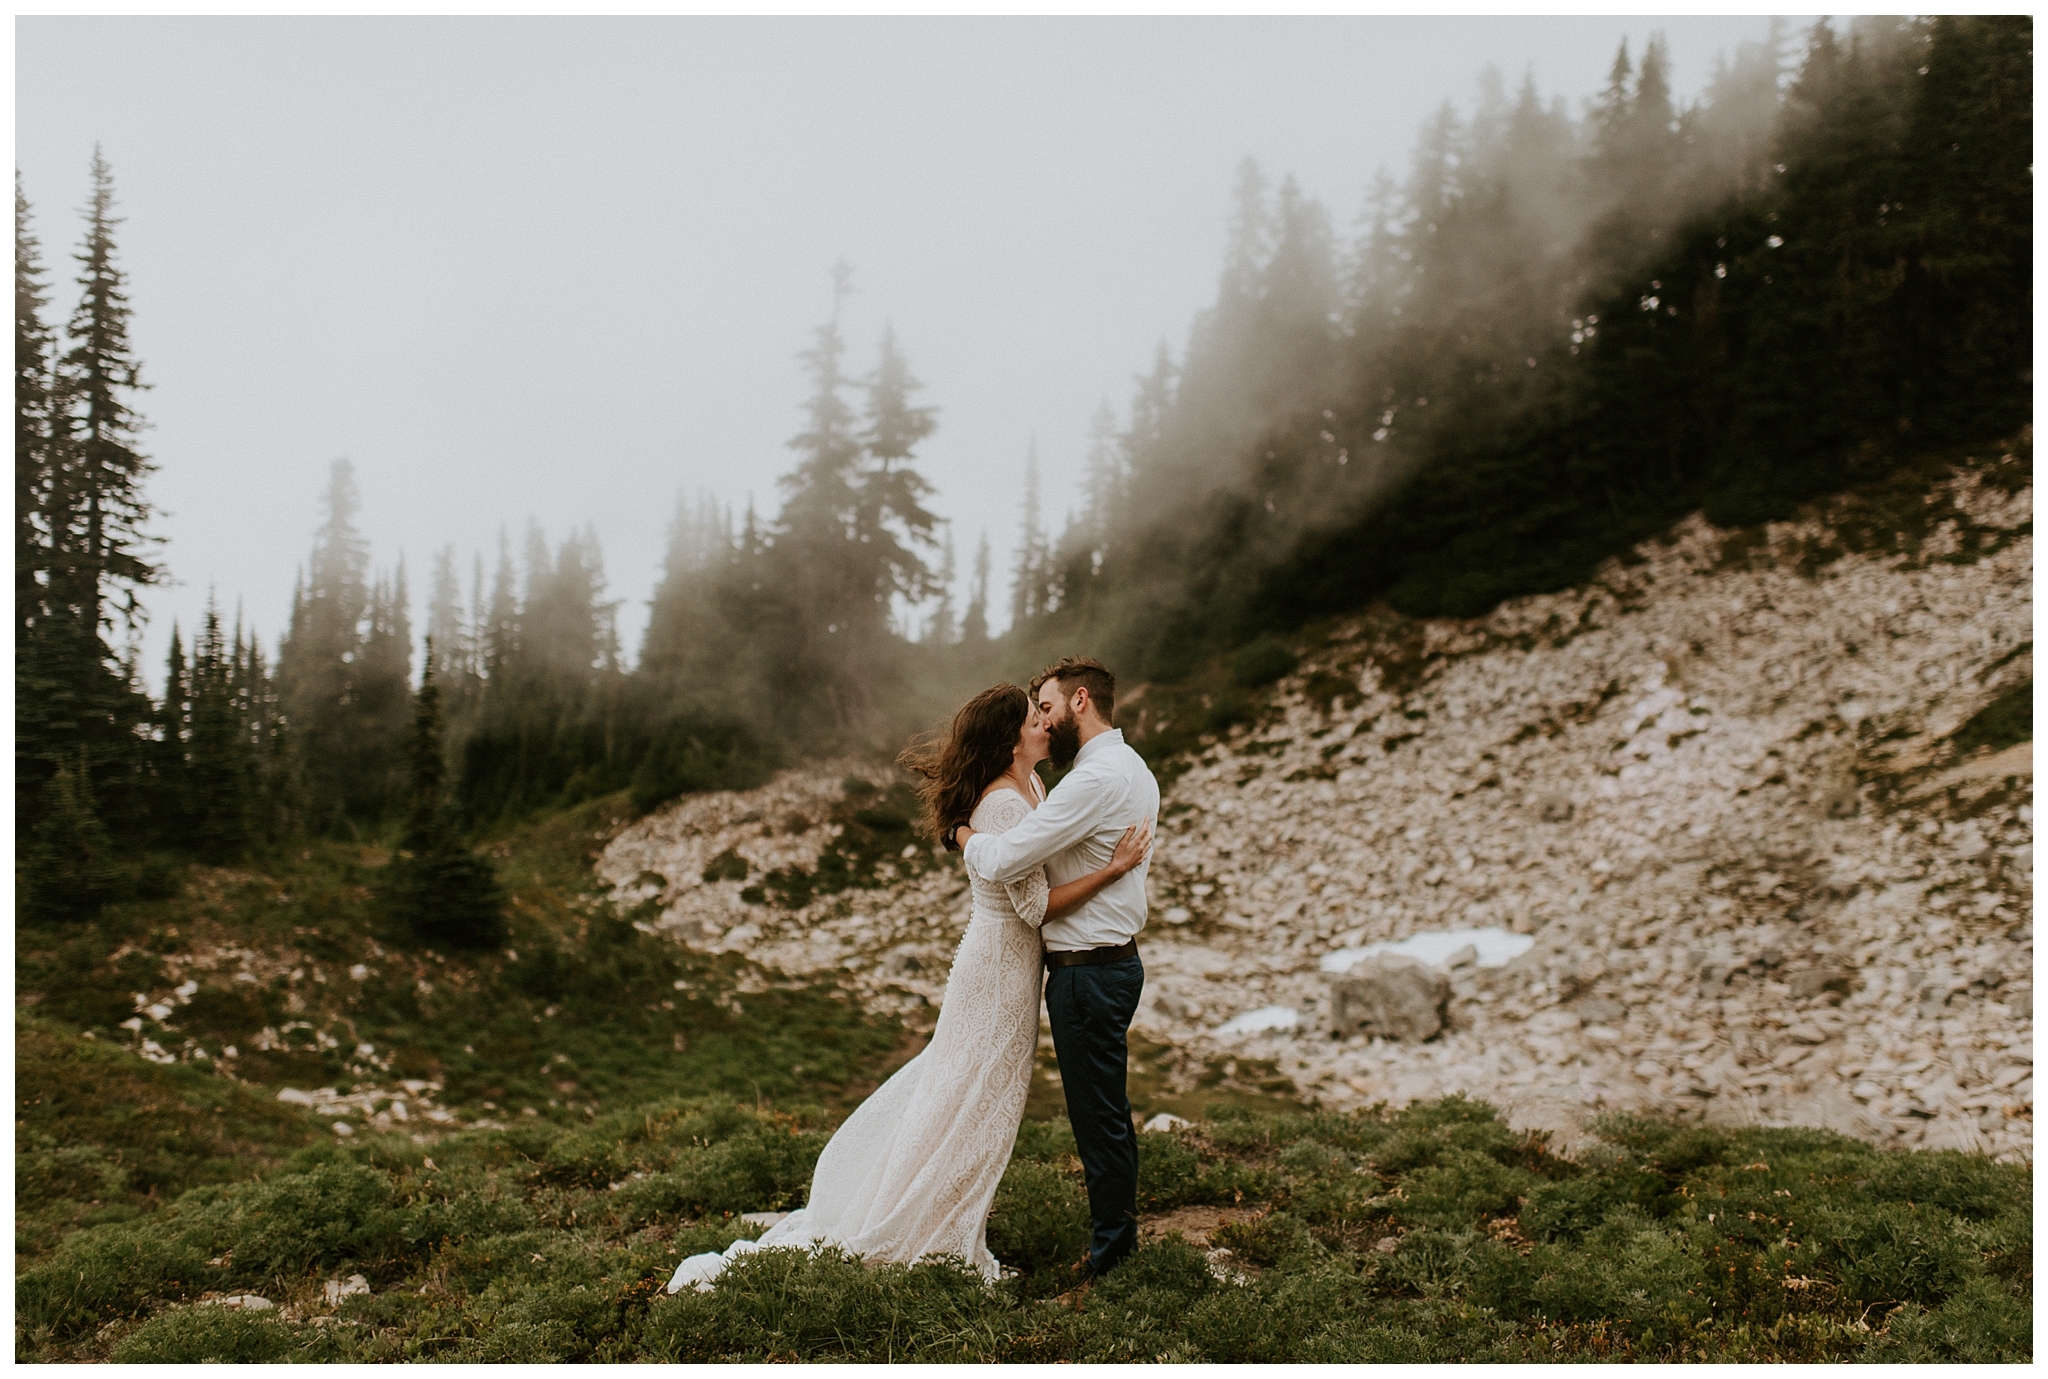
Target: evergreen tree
[1104, 487]
[974, 625]
[342, 674]
[445, 629]
[219, 781]
[34, 462]
[943, 628]
[69, 868]
[77, 704]
[438, 889]
[173, 739]
[101, 495]
[1027, 584]
[830, 621]
[892, 519]
[274, 810]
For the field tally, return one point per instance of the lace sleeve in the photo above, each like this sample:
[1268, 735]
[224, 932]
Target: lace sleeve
[999, 813]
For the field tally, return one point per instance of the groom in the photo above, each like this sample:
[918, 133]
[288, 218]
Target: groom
[1094, 975]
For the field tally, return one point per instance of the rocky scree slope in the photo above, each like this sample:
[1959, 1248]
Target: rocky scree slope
[1727, 787]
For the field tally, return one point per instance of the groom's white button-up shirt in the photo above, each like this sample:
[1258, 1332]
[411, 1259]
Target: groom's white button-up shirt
[1073, 834]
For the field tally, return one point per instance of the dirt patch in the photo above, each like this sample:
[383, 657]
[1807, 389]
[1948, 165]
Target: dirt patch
[1194, 1223]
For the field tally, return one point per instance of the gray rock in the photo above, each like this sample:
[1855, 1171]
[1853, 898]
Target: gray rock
[1839, 981]
[1553, 809]
[900, 964]
[1391, 996]
[1601, 1010]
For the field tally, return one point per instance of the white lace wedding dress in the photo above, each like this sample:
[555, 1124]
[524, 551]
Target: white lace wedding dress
[914, 1169]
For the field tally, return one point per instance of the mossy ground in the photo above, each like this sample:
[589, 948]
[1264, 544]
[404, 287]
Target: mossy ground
[673, 1091]
[1434, 1234]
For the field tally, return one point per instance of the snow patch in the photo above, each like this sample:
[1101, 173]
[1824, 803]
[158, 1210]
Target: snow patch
[1495, 948]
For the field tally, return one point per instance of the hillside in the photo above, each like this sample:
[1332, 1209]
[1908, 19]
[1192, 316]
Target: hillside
[1760, 797]
[1751, 812]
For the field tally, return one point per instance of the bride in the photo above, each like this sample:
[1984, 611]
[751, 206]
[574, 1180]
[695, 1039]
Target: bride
[914, 1169]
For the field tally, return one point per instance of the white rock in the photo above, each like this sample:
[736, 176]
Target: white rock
[1491, 947]
[1259, 1021]
[1165, 1123]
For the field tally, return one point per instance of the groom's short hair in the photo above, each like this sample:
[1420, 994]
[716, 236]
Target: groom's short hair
[1082, 670]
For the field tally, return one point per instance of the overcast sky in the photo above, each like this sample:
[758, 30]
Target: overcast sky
[560, 269]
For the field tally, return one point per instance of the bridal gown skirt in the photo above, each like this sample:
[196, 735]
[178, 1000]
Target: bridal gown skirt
[914, 1170]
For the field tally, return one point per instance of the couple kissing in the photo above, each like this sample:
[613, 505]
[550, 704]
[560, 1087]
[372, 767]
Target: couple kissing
[1058, 885]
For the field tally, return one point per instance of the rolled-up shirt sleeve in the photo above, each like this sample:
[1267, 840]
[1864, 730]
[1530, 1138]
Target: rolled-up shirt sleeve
[1068, 815]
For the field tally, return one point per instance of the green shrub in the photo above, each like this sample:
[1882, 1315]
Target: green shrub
[1227, 709]
[2005, 722]
[1039, 1223]
[1168, 1268]
[1459, 1189]
[99, 1275]
[1264, 1241]
[1268, 1322]
[1169, 1172]
[1047, 1141]
[222, 1336]
[1893, 1252]
[726, 866]
[1260, 663]
[1969, 1185]
[1980, 1324]
[827, 1305]
[698, 754]
[1566, 1211]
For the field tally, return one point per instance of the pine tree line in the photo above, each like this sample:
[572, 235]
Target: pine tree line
[1552, 337]
[1556, 336]
[82, 722]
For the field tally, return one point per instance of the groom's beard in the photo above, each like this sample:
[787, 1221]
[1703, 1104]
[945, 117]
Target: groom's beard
[1063, 740]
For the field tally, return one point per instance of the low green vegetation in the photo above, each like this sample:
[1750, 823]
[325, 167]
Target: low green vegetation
[1434, 1234]
[647, 1096]
[2005, 722]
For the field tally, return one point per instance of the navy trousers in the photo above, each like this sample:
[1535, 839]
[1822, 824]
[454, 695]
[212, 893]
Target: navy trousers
[1090, 1009]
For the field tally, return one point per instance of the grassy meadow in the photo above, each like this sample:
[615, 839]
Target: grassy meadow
[646, 1096]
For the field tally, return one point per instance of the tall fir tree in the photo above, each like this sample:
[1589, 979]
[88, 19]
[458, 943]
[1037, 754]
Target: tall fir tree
[438, 889]
[78, 704]
[102, 498]
[34, 461]
[942, 629]
[892, 522]
[343, 673]
[974, 622]
[173, 743]
[1027, 580]
[219, 779]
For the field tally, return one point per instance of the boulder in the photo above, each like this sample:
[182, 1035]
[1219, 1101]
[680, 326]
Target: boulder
[1392, 997]
[1835, 981]
[1601, 1010]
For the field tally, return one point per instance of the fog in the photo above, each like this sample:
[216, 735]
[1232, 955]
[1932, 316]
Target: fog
[561, 270]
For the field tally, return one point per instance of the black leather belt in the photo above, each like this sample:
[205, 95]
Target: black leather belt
[1090, 957]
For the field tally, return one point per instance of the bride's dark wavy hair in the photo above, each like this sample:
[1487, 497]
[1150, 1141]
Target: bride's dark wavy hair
[957, 767]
